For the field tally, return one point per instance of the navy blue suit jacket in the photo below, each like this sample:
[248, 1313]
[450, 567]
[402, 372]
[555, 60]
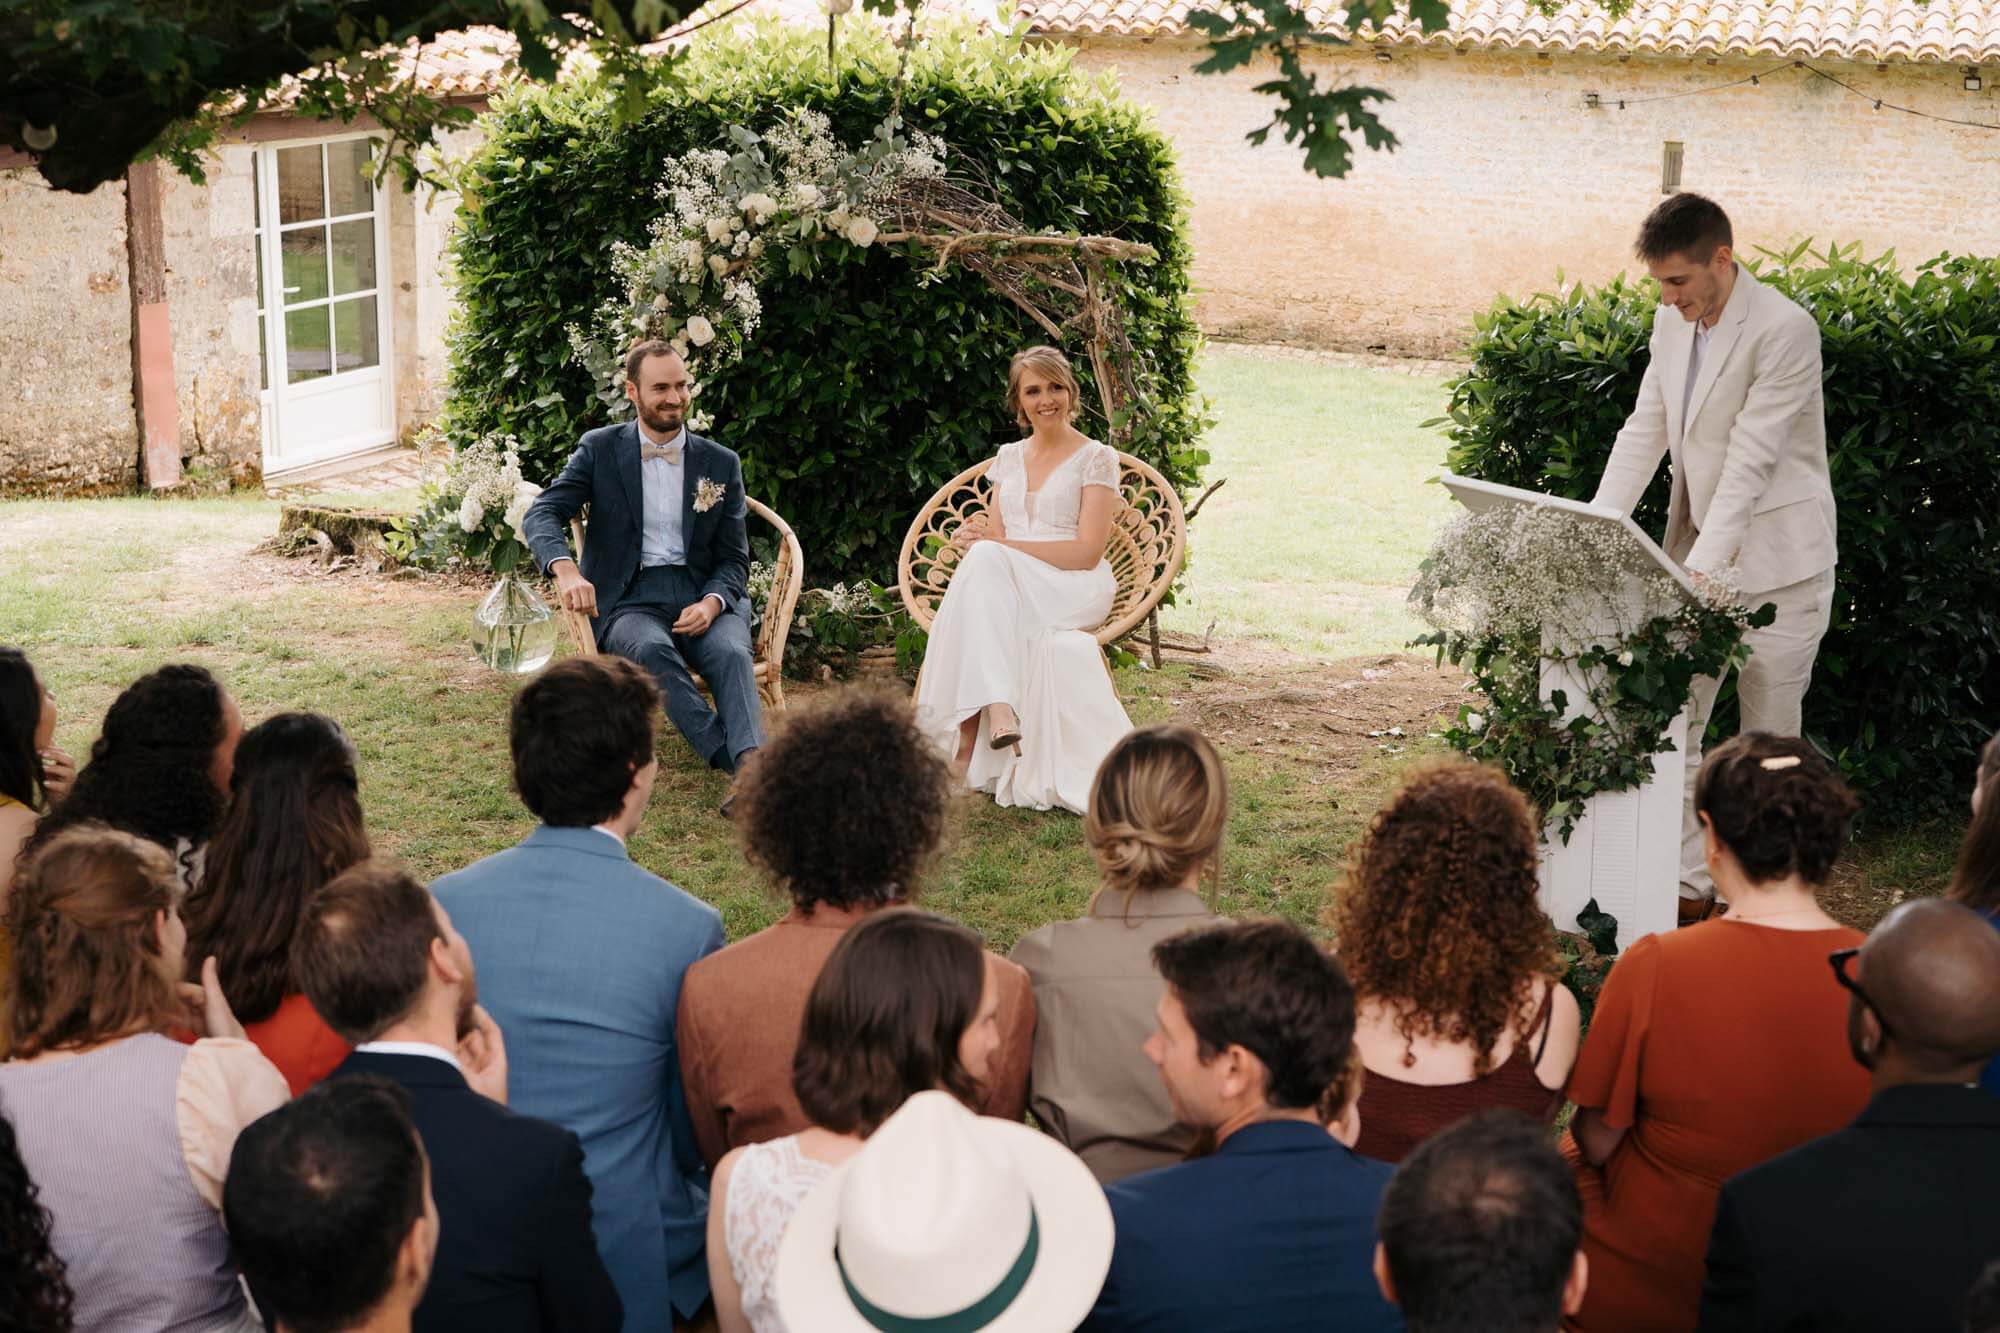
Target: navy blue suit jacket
[604, 474]
[1274, 1231]
[1882, 1225]
[515, 1250]
[581, 954]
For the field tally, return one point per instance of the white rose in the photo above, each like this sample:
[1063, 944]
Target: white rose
[470, 512]
[1625, 658]
[759, 206]
[680, 345]
[718, 264]
[757, 248]
[719, 229]
[525, 492]
[660, 301]
[699, 331]
[838, 219]
[805, 194]
[1475, 722]
[516, 514]
[863, 231]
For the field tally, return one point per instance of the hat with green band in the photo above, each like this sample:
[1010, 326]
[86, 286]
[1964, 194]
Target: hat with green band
[947, 1222]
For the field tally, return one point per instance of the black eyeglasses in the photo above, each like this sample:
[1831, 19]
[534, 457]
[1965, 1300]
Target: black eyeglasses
[1838, 960]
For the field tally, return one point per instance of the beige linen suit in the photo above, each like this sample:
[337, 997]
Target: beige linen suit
[1752, 502]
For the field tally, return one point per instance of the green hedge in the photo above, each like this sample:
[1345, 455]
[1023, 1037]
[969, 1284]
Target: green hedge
[865, 388]
[1908, 681]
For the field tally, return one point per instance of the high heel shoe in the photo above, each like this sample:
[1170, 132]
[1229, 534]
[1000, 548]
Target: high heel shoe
[1008, 739]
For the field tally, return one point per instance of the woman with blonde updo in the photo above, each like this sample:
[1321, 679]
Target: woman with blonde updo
[1013, 686]
[1154, 823]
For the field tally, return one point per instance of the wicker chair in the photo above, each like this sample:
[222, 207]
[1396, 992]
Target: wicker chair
[1148, 540]
[768, 652]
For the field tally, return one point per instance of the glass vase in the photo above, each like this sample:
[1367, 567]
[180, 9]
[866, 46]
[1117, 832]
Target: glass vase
[513, 630]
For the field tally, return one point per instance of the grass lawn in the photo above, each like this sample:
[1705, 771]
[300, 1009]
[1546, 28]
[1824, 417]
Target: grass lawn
[1302, 559]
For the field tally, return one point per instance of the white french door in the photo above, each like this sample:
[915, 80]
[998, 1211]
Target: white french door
[323, 287]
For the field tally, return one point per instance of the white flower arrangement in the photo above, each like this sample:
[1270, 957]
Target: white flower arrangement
[727, 214]
[474, 510]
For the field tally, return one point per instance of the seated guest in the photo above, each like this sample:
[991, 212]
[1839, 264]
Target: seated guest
[1442, 933]
[329, 1203]
[380, 959]
[1155, 823]
[952, 1221]
[1717, 1046]
[1482, 1229]
[126, 1131]
[1886, 1223]
[1275, 1229]
[843, 809]
[294, 822]
[582, 952]
[160, 768]
[34, 774]
[1976, 881]
[904, 1004]
[34, 1294]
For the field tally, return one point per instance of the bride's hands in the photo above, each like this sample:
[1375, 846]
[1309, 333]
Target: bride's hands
[973, 530]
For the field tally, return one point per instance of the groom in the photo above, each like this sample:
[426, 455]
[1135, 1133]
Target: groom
[667, 560]
[1732, 392]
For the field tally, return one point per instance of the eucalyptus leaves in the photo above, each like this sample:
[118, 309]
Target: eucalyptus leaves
[1514, 595]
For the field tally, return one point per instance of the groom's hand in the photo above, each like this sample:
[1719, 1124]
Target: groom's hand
[694, 621]
[573, 590]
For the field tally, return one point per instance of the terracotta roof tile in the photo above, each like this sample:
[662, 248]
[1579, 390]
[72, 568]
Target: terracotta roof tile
[1965, 32]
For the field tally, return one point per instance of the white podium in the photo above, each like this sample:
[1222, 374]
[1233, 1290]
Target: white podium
[1625, 848]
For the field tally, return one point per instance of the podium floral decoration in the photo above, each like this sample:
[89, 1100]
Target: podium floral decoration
[471, 515]
[1512, 594]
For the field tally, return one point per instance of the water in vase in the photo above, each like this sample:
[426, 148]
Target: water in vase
[513, 630]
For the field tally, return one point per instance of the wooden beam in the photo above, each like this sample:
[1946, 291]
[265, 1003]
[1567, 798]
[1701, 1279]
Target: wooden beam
[153, 395]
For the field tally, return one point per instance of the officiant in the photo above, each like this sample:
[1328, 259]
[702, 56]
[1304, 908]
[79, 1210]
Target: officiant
[667, 563]
[1732, 393]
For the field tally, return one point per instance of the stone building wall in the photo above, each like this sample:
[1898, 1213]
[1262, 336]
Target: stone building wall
[1505, 181]
[212, 297]
[66, 415]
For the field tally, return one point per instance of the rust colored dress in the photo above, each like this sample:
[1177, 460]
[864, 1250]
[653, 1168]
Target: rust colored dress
[1717, 1047]
[298, 1041]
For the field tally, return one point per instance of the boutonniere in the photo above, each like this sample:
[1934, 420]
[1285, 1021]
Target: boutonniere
[708, 493]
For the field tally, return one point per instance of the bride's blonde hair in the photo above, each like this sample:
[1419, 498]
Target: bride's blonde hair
[1158, 809]
[1049, 363]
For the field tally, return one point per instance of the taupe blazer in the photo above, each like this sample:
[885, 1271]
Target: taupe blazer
[1751, 489]
[1090, 1083]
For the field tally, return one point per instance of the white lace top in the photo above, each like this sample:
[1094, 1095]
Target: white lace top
[769, 1182]
[1051, 513]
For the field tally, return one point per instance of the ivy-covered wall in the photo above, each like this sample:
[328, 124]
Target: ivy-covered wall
[865, 387]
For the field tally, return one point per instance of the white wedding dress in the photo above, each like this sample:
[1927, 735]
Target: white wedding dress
[767, 1185]
[1015, 629]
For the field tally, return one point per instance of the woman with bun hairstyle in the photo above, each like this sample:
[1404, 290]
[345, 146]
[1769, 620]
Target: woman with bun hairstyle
[1976, 879]
[1717, 1046]
[1155, 822]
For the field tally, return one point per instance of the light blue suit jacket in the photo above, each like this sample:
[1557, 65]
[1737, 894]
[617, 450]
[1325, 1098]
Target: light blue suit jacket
[580, 954]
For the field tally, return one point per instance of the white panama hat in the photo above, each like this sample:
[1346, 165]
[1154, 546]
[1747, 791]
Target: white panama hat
[947, 1222]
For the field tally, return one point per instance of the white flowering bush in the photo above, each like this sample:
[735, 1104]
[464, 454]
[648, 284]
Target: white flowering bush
[1510, 593]
[472, 513]
[775, 197]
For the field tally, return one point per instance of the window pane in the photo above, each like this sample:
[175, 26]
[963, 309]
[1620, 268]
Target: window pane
[354, 256]
[349, 173]
[305, 264]
[301, 192]
[354, 335]
[308, 353]
[263, 355]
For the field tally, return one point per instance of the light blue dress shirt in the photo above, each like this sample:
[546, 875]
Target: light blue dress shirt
[661, 541]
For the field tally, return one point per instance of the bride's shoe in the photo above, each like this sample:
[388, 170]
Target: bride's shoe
[1007, 738]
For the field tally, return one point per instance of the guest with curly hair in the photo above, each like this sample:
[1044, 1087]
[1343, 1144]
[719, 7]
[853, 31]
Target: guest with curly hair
[126, 1130]
[34, 1293]
[1451, 956]
[1155, 823]
[34, 774]
[904, 1004]
[843, 810]
[1717, 1046]
[294, 822]
[1976, 879]
[161, 766]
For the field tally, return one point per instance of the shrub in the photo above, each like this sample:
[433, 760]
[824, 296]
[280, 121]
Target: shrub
[864, 387]
[1908, 679]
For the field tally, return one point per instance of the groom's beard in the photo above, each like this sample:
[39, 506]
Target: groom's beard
[662, 423]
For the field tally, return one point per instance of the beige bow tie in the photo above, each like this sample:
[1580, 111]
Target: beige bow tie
[649, 450]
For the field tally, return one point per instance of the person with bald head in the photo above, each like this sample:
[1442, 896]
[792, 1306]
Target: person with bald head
[1887, 1223]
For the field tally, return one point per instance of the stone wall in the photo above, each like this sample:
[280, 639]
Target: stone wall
[66, 415]
[212, 296]
[1505, 181]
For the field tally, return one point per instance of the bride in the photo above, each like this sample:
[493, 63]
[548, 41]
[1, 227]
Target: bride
[1014, 683]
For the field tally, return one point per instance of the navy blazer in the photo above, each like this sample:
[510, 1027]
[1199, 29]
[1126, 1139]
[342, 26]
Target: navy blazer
[515, 1250]
[1882, 1225]
[604, 474]
[1275, 1230]
[581, 954]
